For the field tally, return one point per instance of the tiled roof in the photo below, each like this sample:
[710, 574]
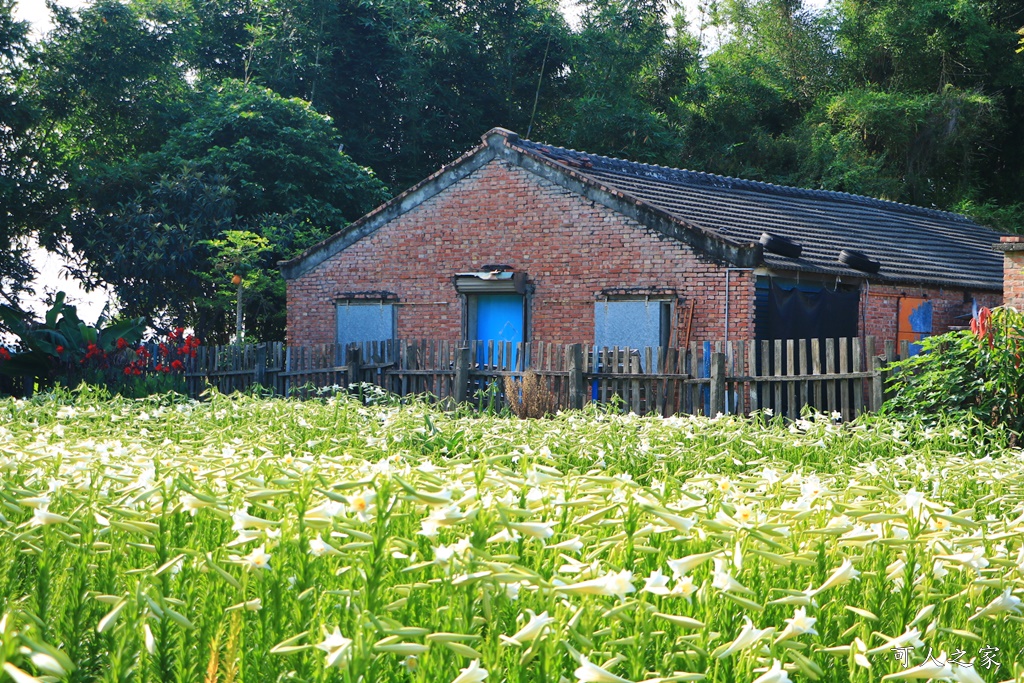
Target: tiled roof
[913, 244]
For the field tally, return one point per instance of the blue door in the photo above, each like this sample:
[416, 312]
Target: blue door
[499, 317]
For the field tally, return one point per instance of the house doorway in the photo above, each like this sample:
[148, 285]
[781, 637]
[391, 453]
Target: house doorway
[499, 318]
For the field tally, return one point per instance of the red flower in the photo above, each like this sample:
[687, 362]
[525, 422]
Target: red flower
[60, 349]
[177, 365]
[127, 370]
[121, 343]
[4, 354]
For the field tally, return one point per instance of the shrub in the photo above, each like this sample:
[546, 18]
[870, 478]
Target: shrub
[976, 373]
[529, 396]
[63, 350]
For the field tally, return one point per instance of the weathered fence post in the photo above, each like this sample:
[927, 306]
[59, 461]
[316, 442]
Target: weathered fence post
[717, 384]
[352, 365]
[876, 384]
[576, 377]
[461, 374]
[259, 375]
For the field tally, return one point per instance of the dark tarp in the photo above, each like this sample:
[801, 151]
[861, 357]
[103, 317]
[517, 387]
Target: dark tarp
[793, 314]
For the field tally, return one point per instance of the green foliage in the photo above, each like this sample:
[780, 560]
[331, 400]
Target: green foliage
[24, 186]
[64, 347]
[963, 373]
[248, 162]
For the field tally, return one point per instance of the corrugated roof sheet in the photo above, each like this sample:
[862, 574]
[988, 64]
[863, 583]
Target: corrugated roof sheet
[913, 244]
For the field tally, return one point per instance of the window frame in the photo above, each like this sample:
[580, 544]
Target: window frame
[382, 299]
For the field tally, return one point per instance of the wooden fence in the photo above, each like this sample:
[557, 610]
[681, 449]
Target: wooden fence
[842, 376]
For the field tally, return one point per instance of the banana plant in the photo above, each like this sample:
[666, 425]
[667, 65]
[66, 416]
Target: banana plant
[62, 339]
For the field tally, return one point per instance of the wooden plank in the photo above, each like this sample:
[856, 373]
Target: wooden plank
[697, 370]
[766, 371]
[777, 372]
[858, 392]
[830, 368]
[755, 404]
[819, 398]
[791, 393]
[805, 398]
[634, 366]
[844, 385]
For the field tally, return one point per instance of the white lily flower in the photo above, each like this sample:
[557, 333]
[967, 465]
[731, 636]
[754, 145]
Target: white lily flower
[748, 637]
[798, 625]
[41, 516]
[685, 565]
[337, 648]
[472, 673]
[536, 625]
[724, 581]
[538, 530]
[257, 559]
[573, 544]
[612, 583]
[776, 674]
[1007, 602]
[936, 667]
[656, 583]
[843, 574]
[588, 672]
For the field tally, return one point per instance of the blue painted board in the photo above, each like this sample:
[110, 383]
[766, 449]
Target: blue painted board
[499, 317]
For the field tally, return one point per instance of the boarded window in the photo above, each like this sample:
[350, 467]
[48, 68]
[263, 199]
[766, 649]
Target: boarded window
[914, 321]
[636, 324]
[365, 321]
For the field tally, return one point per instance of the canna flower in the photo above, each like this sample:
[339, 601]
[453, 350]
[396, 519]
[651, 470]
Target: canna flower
[776, 674]
[588, 672]
[337, 647]
[843, 574]
[472, 673]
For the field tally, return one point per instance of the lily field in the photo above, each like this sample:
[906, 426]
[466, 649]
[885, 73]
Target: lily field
[264, 540]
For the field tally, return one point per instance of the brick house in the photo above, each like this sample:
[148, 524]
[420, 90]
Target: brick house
[521, 241]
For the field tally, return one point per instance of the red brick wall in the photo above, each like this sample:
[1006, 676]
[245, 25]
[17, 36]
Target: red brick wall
[1013, 271]
[882, 303]
[570, 248]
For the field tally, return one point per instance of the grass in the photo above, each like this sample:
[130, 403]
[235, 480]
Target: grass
[247, 539]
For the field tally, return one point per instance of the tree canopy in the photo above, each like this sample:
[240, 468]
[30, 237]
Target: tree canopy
[140, 134]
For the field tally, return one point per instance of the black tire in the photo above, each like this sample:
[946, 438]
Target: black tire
[780, 245]
[858, 261]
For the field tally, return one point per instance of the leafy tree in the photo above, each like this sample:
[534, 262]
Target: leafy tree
[248, 160]
[24, 183]
[613, 66]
